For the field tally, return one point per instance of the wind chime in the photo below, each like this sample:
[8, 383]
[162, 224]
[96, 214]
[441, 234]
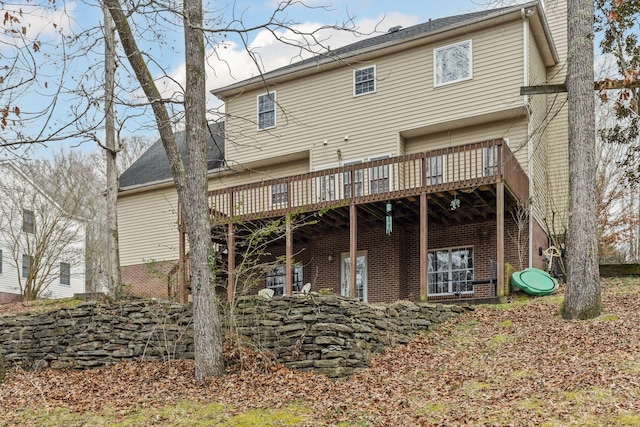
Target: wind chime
[389, 219]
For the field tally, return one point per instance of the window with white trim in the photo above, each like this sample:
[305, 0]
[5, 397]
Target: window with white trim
[327, 187]
[267, 110]
[65, 273]
[490, 161]
[277, 279]
[364, 80]
[358, 180]
[27, 262]
[28, 221]
[451, 271]
[279, 193]
[379, 177]
[434, 170]
[452, 63]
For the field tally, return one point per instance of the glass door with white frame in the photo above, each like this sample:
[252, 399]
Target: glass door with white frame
[361, 274]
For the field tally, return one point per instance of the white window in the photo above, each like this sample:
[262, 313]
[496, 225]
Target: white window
[326, 184]
[364, 80]
[267, 110]
[27, 262]
[434, 170]
[277, 279]
[65, 273]
[379, 177]
[490, 161]
[28, 221]
[327, 188]
[358, 180]
[279, 193]
[451, 271]
[452, 63]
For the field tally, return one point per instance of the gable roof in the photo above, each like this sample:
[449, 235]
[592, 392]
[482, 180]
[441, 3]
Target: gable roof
[395, 36]
[17, 170]
[153, 165]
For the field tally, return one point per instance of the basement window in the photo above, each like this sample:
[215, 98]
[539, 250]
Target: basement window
[451, 271]
[277, 279]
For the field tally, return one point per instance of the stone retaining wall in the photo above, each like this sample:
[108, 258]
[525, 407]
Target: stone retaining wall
[326, 333]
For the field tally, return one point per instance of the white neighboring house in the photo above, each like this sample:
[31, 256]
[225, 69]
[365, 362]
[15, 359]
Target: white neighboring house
[42, 247]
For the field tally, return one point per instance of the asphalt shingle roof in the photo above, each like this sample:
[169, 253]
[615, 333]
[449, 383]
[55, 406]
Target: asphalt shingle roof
[431, 26]
[153, 165]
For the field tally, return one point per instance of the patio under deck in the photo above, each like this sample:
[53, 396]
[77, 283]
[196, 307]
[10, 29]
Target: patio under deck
[484, 178]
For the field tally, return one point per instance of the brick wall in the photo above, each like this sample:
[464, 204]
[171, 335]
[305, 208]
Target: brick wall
[6, 297]
[393, 261]
[147, 280]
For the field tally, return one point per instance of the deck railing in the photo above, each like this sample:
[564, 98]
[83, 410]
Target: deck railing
[452, 168]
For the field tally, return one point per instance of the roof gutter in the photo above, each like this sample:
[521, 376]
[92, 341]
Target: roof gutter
[163, 183]
[325, 62]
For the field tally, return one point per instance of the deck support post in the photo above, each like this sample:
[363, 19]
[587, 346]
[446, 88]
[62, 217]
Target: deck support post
[353, 248]
[424, 249]
[231, 263]
[288, 256]
[502, 289]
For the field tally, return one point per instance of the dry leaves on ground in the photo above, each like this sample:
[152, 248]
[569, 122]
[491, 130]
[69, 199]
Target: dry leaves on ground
[516, 364]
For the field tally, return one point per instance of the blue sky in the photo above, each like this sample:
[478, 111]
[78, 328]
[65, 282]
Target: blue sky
[227, 57]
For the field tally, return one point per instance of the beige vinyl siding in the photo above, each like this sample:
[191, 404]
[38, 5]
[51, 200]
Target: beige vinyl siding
[322, 107]
[556, 12]
[557, 129]
[280, 170]
[148, 226]
[538, 143]
[256, 200]
[514, 130]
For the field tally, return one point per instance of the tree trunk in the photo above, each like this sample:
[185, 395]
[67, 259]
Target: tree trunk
[195, 206]
[582, 298]
[113, 256]
[191, 186]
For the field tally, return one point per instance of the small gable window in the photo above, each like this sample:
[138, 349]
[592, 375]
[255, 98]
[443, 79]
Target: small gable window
[452, 63]
[267, 110]
[364, 80]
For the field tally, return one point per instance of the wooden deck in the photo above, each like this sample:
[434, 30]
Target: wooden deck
[468, 166]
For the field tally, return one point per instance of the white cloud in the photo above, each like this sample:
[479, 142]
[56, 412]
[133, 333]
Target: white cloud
[40, 20]
[230, 62]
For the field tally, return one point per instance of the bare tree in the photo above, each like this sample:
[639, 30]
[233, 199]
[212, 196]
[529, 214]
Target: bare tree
[582, 297]
[111, 150]
[189, 174]
[45, 235]
[191, 184]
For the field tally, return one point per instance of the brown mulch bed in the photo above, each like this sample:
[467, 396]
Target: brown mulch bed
[521, 365]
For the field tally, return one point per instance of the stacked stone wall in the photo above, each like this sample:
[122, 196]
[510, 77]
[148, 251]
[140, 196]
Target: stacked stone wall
[326, 333]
